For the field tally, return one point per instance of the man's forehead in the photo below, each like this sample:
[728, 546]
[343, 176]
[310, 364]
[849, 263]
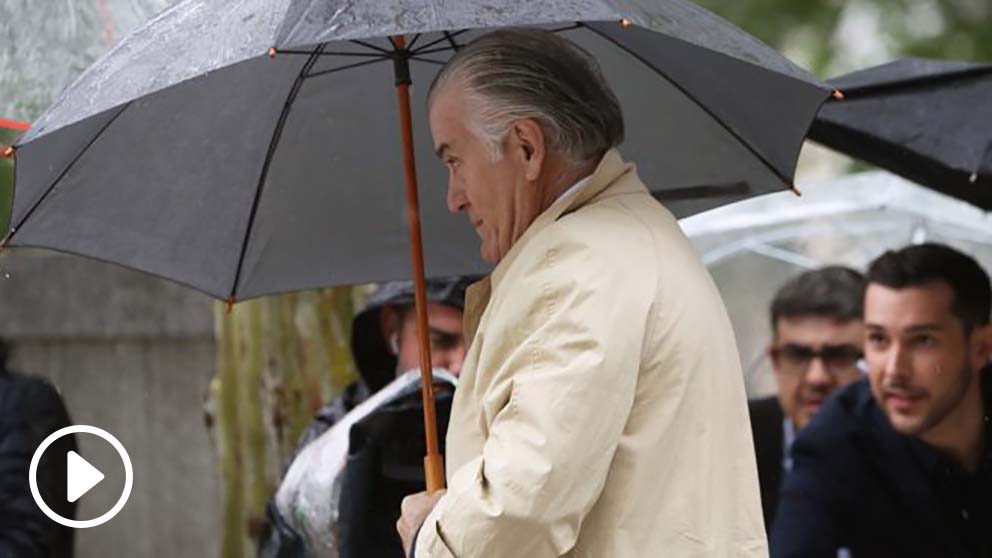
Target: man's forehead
[916, 306]
[446, 126]
[815, 330]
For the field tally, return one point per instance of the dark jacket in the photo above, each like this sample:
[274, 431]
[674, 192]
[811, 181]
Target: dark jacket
[857, 484]
[31, 410]
[766, 429]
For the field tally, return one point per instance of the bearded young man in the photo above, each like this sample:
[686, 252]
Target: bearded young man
[900, 464]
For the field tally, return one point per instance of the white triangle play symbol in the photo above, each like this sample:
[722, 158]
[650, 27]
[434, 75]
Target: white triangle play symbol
[80, 476]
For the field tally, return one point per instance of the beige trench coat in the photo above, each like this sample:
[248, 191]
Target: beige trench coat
[601, 410]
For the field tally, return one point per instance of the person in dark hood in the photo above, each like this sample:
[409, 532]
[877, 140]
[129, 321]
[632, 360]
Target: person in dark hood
[384, 345]
[384, 342]
[30, 410]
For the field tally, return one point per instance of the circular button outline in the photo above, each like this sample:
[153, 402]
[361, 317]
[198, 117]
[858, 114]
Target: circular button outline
[81, 429]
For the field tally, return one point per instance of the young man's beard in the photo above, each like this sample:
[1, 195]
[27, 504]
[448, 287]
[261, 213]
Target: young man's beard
[941, 409]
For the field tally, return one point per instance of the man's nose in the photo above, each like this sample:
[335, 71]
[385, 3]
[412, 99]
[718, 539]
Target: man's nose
[452, 360]
[895, 362]
[817, 374]
[455, 198]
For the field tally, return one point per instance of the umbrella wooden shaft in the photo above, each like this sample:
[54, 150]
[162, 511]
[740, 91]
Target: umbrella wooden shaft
[433, 463]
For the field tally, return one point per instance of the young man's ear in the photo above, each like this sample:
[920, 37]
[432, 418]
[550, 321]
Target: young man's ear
[528, 138]
[981, 341]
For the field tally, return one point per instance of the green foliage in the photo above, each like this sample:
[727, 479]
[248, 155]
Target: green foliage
[809, 30]
[7, 137]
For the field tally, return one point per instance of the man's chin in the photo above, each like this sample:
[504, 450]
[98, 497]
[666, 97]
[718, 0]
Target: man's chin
[904, 423]
[489, 255]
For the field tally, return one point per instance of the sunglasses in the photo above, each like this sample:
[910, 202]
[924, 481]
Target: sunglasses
[836, 359]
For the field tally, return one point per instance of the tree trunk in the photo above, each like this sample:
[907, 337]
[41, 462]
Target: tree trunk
[278, 360]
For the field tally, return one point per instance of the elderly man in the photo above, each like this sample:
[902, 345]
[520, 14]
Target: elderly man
[601, 410]
[817, 339]
[900, 464]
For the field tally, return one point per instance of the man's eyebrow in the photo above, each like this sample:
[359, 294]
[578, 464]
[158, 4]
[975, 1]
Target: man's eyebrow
[440, 150]
[441, 332]
[917, 328]
[921, 328]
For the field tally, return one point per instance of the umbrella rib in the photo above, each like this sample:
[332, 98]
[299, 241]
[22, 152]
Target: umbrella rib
[428, 60]
[785, 180]
[451, 40]
[889, 88]
[414, 41]
[334, 53]
[439, 41]
[372, 46]
[739, 188]
[273, 144]
[432, 51]
[346, 67]
[64, 172]
[576, 25]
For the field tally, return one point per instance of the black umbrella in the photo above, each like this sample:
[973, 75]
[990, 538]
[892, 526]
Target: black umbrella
[927, 120]
[251, 148]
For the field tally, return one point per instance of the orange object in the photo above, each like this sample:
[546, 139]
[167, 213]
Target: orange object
[433, 462]
[838, 94]
[14, 125]
[7, 152]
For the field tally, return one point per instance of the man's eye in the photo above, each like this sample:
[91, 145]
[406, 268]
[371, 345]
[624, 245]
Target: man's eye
[877, 339]
[925, 341]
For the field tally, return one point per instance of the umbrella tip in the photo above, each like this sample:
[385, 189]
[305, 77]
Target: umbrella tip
[273, 52]
[973, 178]
[8, 152]
[625, 23]
[795, 190]
[838, 94]
[229, 304]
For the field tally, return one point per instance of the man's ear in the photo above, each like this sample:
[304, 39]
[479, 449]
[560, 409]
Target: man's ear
[981, 343]
[389, 322]
[528, 141]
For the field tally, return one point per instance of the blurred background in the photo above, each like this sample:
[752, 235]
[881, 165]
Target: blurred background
[209, 404]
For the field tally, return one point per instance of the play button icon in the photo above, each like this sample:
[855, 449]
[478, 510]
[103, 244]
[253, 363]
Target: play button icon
[80, 476]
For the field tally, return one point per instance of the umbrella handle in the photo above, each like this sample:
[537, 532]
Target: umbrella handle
[433, 462]
[434, 472]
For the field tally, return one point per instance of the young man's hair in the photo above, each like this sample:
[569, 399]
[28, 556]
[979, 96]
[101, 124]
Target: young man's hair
[923, 264]
[835, 292]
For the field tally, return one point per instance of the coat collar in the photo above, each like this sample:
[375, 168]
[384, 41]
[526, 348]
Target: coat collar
[608, 172]
[610, 168]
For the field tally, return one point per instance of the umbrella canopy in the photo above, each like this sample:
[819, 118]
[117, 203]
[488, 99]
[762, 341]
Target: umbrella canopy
[927, 120]
[751, 248]
[252, 148]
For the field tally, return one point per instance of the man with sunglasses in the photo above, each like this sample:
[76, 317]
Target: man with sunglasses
[900, 463]
[817, 337]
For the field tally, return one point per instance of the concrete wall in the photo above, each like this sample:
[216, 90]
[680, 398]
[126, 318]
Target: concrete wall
[133, 355]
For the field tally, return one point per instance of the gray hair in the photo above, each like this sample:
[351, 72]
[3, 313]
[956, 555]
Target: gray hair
[519, 73]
